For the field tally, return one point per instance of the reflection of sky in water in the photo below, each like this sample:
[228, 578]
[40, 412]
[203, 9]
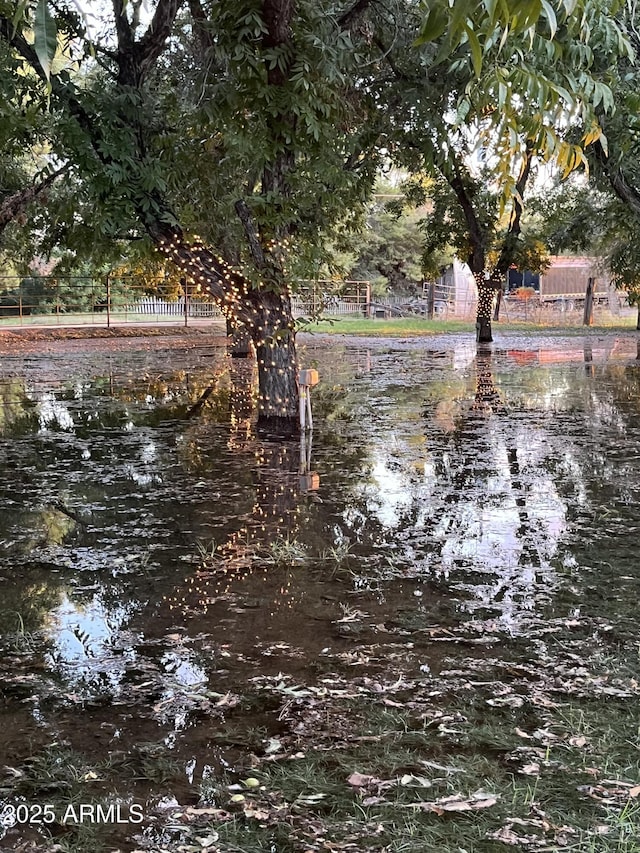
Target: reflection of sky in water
[88, 648]
[184, 670]
[82, 635]
[52, 412]
[391, 493]
[144, 473]
[479, 502]
[489, 524]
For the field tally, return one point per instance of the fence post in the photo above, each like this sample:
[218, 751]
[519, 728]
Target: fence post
[108, 283]
[587, 320]
[431, 299]
[185, 287]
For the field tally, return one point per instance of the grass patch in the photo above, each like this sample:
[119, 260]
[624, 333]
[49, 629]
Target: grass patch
[402, 776]
[396, 327]
[399, 327]
[462, 762]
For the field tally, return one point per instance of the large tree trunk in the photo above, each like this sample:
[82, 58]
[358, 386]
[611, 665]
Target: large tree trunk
[265, 313]
[498, 305]
[239, 345]
[275, 343]
[486, 293]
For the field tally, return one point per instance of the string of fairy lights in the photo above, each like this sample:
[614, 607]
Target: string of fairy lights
[267, 317]
[487, 398]
[486, 294]
[275, 514]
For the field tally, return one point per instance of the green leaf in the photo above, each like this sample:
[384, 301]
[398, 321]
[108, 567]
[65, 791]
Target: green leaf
[492, 9]
[45, 36]
[434, 26]
[476, 51]
[502, 94]
[551, 17]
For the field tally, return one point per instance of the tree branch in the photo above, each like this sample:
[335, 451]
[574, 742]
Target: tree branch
[627, 193]
[153, 41]
[510, 241]
[244, 214]
[123, 28]
[356, 11]
[200, 26]
[15, 204]
[136, 58]
[477, 236]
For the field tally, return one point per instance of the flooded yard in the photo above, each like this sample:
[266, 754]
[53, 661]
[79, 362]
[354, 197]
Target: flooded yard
[417, 630]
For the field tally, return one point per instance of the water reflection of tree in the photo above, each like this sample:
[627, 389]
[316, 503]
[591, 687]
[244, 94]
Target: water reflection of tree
[88, 459]
[25, 605]
[152, 466]
[487, 396]
[473, 505]
[497, 533]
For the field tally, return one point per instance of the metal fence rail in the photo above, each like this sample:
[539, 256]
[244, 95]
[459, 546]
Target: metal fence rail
[110, 300]
[64, 300]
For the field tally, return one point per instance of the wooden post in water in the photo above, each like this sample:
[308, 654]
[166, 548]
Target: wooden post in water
[306, 381]
[588, 303]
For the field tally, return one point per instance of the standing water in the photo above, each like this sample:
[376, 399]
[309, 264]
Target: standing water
[208, 635]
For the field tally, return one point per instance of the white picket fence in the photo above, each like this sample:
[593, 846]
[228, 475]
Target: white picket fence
[150, 305]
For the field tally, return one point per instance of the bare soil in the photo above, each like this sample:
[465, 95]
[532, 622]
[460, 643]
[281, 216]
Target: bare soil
[24, 340]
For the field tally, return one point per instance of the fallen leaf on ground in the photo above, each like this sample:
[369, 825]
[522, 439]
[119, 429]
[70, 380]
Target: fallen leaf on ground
[415, 781]
[507, 836]
[445, 768]
[619, 791]
[310, 799]
[361, 780]
[274, 745]
[210, 811]
[458, 803]
[506, 701]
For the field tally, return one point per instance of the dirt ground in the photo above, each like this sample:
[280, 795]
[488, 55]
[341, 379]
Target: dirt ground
[14, 341]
